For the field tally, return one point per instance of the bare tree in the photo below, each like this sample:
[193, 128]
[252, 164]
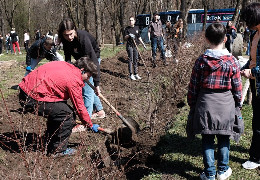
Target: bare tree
[9, 7]
[185, 8]
[97, 7]
[85, 12]
[205, 4]
[238, 7]
[70, 4]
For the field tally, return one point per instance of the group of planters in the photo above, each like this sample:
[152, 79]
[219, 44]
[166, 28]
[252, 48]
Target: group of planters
[214, 96]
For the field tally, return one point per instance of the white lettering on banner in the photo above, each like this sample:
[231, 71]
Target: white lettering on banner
[177, 18]
[223, 17]
[147, 21]
[169, 18]
[193, 20]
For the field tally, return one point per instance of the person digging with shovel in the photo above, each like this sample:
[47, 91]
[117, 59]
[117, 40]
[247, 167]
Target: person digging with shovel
[132, 35]
[45, 91]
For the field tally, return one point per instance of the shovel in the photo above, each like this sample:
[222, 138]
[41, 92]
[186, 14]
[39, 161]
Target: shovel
[132, 125]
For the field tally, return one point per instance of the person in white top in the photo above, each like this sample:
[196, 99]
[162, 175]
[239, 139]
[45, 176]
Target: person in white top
[26, 40]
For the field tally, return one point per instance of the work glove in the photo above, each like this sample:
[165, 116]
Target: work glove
[132, 36]
[95, 127]
[28, 68]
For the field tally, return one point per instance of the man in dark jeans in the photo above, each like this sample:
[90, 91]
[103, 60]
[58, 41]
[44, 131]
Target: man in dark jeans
[45, 92]
[155, 35]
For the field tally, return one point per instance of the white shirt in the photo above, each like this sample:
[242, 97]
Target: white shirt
[26, 37]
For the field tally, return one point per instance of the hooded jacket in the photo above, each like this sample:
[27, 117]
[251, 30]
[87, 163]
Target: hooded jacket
[218, 70]
[215, 69]
[37, 50]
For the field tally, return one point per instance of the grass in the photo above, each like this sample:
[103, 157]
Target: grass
[13, 75]
[182, 158]
[108, 51]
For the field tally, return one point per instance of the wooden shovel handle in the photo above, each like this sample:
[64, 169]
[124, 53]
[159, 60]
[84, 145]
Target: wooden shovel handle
[125, 121]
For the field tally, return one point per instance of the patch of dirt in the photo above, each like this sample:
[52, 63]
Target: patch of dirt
[152, 102]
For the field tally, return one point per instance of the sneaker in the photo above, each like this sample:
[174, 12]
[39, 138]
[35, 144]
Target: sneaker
[67, 152]
[99, 115]
[250, 165]
[20, 53]
[204, 177]
[137, 76]
[79, 128]
[224, 175]
[132, 77]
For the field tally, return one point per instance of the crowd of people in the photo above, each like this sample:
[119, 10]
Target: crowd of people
[214, 91]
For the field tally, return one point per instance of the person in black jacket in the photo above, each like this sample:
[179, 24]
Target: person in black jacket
[80, 43]
[132, 35]
[39, 50]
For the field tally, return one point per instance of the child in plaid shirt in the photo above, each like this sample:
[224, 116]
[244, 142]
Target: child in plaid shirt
[215, 90]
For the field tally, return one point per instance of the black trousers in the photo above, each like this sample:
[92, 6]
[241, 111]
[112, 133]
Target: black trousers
[133, 59]
[254, 151]
[26, 44]
[60, 120]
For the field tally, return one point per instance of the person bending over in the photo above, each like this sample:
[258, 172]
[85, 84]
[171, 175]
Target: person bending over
[45, 91]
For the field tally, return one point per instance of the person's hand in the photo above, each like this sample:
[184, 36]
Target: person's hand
[97, 91]
[28, 68]
[95, 127]
[246, 73]
[132, 36]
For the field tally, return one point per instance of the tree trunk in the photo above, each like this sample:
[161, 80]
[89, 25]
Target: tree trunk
[85, 19]
[185, 8]
[97, 7]
[29, 16]
[235, 17]
[205, 4]
[9, 8]
[77, 11]
[144, 7]
[70, 9]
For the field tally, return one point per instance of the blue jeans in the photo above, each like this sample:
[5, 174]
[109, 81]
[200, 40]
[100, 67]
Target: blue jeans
[248, 49]
[91, 100]
[208, 154]
[34, 63]
[154, 42]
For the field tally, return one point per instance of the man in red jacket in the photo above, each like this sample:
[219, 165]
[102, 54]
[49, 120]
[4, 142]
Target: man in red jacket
[45, 91]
